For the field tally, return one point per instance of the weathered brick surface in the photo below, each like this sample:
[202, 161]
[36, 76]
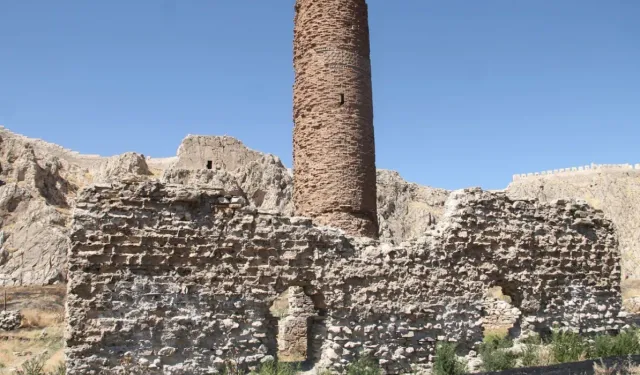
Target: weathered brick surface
[175, 278]
[334, 151]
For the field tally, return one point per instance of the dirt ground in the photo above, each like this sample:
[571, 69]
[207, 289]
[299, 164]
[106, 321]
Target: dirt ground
[41, 333]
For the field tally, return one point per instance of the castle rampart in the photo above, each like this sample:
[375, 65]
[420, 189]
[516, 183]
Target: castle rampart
[585, 168]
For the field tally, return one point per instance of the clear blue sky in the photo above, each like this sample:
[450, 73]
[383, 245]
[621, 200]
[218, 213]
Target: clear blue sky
[466, 93]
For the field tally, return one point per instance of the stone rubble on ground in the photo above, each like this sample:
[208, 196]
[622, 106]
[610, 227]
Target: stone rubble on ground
[10, 320]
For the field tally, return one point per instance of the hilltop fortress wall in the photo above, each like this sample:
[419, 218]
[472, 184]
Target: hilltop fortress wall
[584, 168]
[184, 280]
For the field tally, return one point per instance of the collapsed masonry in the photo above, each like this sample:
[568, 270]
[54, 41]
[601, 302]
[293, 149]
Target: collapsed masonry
[181, 279]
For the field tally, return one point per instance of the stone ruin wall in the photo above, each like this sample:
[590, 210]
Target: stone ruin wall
[333, 137]
[181, 279]
[613, 188]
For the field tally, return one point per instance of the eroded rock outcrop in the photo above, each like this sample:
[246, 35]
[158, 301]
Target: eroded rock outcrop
[125, 166]
[210, 152]
[39, 182]
[268, 184]
[407, 210]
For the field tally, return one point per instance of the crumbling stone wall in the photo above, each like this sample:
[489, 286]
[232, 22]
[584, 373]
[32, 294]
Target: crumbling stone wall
[333, 139]
[613, 188]
[181, 279]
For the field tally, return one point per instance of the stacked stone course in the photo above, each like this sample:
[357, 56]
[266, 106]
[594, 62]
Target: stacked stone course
[181, 279]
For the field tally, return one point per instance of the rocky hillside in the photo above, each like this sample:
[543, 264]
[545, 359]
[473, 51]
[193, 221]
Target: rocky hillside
[40, 181]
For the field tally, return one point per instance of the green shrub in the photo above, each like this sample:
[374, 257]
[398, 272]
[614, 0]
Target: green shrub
[625, 343]
[364, 365]
[533, 339]
[494, 356]
[446, 362]
[278, 368]
[497, 342]
[530, 355]
[568, 347]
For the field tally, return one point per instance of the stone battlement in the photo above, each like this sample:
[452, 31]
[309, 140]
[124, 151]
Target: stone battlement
[585, 168]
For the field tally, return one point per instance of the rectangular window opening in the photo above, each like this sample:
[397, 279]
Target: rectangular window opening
[341, 99]
[209, 164]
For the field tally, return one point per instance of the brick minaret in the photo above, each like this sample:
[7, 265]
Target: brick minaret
[333, 143]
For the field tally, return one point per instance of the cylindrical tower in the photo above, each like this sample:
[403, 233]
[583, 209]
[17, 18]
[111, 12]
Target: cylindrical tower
[333, 142]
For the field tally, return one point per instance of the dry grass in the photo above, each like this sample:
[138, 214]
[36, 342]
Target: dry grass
[49, 298]
[630, 288]
[34, 318]
[24, 344]
[41, 332]
[629, 369]
[496, 331]
[55, 360]
[544, 356]
[631, 295]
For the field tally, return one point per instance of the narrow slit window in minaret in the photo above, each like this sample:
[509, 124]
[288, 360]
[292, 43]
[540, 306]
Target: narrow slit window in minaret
[209, 164]
[341, 99]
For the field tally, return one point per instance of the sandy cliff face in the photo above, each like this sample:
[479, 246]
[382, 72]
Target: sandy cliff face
[407, 210]
[42, 179]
